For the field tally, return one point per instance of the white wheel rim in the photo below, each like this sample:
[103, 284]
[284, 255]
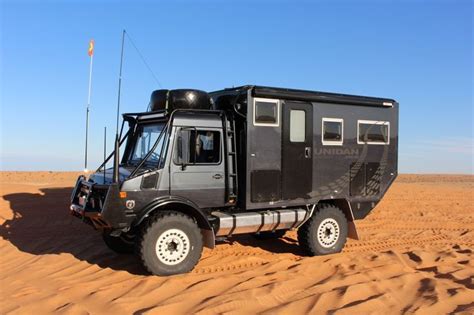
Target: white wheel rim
[328, 233]
[172, 247]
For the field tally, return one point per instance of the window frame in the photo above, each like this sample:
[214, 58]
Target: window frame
[266, 100]
[373, 122]
[179, 129]
[332, 142]
[128, 156]
[304, 129]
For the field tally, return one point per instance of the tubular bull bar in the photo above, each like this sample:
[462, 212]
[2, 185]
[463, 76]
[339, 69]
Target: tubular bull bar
[81, 205]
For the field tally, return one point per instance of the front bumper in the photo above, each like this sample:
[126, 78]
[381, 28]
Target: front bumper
[93, 218]
[101, 205]
[88, 203]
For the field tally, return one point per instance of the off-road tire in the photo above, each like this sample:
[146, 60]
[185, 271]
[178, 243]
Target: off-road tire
[122, 244]
[314, 244]
[268, 235]
[160, 228]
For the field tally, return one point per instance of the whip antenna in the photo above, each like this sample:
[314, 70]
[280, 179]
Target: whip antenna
[117, 144]
[105, 151]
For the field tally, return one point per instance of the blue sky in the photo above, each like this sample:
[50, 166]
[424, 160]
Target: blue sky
[418, 52]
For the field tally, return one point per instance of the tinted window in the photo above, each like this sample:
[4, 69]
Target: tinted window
[332, 131]
[266, 112]
[197, 147]
[297, 125]
[373, 132]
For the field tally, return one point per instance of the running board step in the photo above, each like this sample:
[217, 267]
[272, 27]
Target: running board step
[255, 222]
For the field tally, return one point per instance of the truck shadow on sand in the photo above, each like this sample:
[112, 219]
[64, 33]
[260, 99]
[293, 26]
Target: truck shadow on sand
[41, 225]
[278, 245]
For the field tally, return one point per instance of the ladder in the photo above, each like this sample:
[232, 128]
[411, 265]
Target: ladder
[231, 171]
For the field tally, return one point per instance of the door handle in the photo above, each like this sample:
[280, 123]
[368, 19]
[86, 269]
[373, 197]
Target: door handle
[217, 176]
[307, 152]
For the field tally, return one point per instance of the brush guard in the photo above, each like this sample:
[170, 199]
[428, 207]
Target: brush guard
[88, 201]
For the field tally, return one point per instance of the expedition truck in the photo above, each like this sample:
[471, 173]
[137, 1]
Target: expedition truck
[198, 167]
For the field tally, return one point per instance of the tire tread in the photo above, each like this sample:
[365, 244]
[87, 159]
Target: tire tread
[154, 219]
[305, 238]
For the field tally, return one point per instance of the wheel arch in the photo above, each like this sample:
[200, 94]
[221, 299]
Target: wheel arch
[184, 206]
[346, 208]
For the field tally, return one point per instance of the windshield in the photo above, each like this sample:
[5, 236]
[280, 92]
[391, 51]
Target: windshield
[144, 141]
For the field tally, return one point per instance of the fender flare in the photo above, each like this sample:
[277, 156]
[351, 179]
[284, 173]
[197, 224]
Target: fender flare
[185, 206]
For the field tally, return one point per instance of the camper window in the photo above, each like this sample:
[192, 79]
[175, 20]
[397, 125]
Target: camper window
[297, 125]
[332, 131]
[266, 112]
[373, 132]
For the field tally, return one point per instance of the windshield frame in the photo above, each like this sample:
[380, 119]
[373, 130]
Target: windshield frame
[133, 142]
[137, 141]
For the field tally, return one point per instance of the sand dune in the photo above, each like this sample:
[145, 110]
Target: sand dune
[415, 255]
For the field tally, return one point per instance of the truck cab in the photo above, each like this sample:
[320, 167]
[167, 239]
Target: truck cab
[197, 166]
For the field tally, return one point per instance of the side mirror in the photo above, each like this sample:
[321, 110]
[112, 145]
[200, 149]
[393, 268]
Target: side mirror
[180, 146]
[180, 149]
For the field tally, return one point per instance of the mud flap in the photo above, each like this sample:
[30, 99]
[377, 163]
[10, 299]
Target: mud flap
[208, 238]
[352, 230]
[345, 206]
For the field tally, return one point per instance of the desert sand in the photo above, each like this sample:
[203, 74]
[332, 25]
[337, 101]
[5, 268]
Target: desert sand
[415, 255]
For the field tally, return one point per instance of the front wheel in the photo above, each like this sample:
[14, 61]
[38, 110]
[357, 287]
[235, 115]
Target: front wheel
[325, 232]
[171, 243]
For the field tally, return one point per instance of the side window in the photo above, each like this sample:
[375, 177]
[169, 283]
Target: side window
[373, 132]
[197, 147]
[266, 112]
[332, 131]
[297, 125]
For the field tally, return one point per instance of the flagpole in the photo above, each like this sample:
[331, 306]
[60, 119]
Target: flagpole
[87, 109]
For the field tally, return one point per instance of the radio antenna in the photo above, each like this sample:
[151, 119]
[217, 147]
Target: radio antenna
[117, 144]
[144, 60]
[105, 151]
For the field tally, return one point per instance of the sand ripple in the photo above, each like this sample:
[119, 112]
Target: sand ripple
[415, 255]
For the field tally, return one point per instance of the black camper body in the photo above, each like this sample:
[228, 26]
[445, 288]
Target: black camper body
[250, 159]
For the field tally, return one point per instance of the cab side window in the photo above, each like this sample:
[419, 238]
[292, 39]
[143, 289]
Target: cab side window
[198, 147]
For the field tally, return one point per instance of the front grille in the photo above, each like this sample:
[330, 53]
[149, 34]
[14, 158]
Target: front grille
[90, 197]
[96, 199]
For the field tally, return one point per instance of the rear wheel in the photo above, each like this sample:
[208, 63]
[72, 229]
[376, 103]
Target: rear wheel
[325, 232]
[122, 244]
[171, 243]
